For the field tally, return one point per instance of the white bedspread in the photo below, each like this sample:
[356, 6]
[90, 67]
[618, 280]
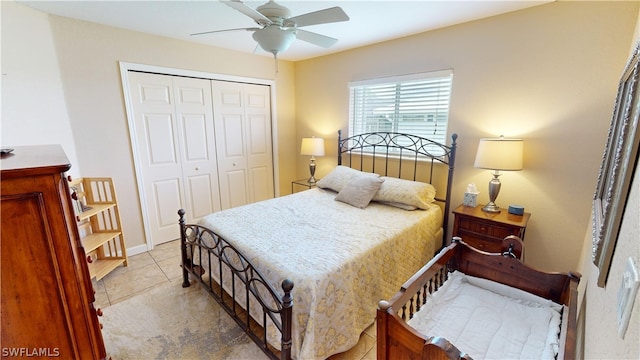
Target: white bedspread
[488, 320]
[342, 259]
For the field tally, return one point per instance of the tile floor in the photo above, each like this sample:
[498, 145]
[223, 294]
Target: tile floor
[160, 266]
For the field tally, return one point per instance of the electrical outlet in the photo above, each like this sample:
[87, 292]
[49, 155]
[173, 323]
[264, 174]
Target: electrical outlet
[626, 296]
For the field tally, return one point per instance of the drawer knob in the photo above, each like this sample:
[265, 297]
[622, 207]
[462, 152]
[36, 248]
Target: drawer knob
[89, 259]
[69, 178]
[99, 312]
[74, 195]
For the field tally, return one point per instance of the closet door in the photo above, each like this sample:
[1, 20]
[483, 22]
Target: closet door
[173, 127]
[242, 114]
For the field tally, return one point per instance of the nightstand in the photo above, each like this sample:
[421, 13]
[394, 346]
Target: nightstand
[303, 182]
[484, 230]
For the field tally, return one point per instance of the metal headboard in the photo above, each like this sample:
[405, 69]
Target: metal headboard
[377, 151]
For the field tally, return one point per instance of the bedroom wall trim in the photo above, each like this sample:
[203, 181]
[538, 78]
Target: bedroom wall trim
[125, 67]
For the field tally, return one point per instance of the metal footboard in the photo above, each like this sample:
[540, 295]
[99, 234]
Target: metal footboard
[238, 287]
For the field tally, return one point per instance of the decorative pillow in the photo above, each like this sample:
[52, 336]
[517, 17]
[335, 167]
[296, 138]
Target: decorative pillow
[406, 192]
[360, 190]
[338, 178]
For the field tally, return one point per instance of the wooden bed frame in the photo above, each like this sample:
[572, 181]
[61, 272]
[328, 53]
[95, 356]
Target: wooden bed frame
[397, 340]
[388, 154]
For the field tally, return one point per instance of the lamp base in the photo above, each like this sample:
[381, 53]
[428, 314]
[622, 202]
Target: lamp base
[312, 171]
[494, 189]
[491, 208]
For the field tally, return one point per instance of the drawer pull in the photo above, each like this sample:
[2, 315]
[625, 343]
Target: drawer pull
[74, 195]
[89, 259]
[99, 312]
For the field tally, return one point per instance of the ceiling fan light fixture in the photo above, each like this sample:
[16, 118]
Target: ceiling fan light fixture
[274, 39]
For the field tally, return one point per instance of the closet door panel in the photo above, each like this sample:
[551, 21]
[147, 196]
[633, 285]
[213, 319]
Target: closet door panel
[230, 143]
[260, 153]
[157, 144]
[243, 134]
[194, 108]
[167, 197]
[160, 145]
[174, 138]
[236, 191]
[202, 194]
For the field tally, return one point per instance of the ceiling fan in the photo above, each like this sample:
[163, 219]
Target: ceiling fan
[278, 29]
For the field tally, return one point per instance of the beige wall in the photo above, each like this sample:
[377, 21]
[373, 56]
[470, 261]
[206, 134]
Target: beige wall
[88, 56]
[547, 74]
[599, 304]
[33, 105]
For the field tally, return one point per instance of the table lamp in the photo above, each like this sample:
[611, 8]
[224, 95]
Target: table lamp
[498, 154]
[315, 147]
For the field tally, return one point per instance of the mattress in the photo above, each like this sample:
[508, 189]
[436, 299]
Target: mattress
[342, 259]
[488, 320]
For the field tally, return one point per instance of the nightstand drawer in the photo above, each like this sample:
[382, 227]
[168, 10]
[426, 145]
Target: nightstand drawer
[481, 242]
[482, 229]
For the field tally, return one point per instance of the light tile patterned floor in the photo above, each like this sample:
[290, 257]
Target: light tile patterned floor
[160, 266]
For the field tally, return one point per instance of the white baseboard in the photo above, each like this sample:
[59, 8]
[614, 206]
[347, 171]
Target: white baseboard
[137, 250]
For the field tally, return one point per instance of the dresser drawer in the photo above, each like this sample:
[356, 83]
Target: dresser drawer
[484, 230]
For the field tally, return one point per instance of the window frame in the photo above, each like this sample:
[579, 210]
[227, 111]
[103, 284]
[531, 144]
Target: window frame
[358, 102]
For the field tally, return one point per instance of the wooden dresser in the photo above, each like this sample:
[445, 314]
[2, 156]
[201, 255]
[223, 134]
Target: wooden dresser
[46, 292]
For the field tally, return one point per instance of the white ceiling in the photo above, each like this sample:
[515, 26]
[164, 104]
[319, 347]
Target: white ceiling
[371, 21]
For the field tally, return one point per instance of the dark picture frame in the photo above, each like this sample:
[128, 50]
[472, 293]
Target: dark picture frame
[617, 168]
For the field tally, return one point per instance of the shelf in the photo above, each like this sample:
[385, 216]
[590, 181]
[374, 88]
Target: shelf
[95, 210]
[94, 241]
[102, 267]
[99, 226]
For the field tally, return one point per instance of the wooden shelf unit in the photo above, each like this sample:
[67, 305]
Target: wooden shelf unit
[99, 224]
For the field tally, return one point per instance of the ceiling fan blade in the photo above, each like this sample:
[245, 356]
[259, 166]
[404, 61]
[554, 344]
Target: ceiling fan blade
[330, 15]
[255, 15]
[217, 31]
[315, 39]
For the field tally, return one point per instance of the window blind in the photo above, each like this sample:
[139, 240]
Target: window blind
[416, 104]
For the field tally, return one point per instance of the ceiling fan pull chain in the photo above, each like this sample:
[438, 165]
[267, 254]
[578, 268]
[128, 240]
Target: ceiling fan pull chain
[275, 59]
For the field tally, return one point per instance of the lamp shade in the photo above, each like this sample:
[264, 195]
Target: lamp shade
[499, 154]
[312, 146]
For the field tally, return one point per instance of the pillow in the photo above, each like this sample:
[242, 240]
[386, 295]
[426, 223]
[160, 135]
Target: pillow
[338, 178]
[406, 192]
[398, 205]
[360, 190]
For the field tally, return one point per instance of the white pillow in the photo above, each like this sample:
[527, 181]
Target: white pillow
[407, 193]
[360, 190]
[338, 178]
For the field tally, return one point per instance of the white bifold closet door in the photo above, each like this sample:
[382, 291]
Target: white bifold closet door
[242, 114]
[177, 151]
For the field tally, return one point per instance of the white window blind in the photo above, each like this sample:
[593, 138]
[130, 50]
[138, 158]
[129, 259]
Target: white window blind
[416, 104]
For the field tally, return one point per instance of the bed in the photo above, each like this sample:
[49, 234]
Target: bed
[466, 303]
[301, 273]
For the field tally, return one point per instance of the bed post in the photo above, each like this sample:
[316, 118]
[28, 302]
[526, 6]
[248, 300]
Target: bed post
[339, 147]
[447, 203]
[287, 319]
[183, 250]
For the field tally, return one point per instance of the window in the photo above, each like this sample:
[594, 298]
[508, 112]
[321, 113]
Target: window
[416, 104]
